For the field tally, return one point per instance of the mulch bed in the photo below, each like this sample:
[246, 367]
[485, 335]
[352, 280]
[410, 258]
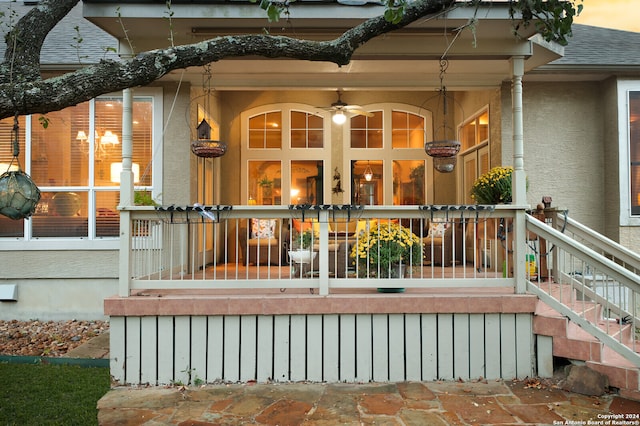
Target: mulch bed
[46, 338]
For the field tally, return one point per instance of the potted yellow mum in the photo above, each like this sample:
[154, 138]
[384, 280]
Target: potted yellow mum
[493, 187]
[386, 250]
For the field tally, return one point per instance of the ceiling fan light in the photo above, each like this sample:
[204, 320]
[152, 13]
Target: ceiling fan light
[339, 117]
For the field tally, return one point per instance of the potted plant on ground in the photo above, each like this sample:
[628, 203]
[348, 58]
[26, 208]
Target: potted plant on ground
[387, 251]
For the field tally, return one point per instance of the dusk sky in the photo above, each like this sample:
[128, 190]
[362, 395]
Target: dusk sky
[620, 14]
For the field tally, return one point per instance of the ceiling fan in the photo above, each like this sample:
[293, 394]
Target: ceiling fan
[339, 108]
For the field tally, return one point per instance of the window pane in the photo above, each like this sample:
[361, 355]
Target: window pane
[408, 130]
[306, 182]
[634, 147]
[366, 132]
[358, 139]
[298, 139]
[66, 215]
[408, 182]
[483, 127]
[264, 182]
[468, 135]
[365, 191]
[60, 153]
[107, 217]
[265, 130]
[374, 139]
[142, 139]
[306, 130]
[11, 228]
[108, 138]
[6, 143]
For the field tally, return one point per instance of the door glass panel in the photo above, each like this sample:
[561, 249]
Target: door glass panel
[265, 182]
[367, 191]
[408, 182]
[306, 182]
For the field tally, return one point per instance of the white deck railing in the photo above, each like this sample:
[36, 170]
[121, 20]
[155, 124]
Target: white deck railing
[590, 279]
[181, 248]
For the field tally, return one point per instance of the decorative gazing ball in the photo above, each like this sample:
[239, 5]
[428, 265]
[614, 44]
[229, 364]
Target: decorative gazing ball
[19, 195]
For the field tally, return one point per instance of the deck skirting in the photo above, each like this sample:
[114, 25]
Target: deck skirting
[335, 342]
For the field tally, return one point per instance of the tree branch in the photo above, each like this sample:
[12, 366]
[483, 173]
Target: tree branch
[30, 94]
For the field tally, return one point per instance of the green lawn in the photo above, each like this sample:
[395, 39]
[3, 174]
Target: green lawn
[51, 394]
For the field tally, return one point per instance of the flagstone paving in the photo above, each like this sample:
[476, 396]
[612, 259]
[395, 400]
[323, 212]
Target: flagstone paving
[312, 404]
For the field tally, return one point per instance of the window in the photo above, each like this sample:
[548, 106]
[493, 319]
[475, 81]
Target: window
[76, 163]
[386, 155]
[284, 154]
[629, 120]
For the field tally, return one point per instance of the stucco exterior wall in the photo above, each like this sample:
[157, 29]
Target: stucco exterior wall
[57, 285]
[177, 180]
[563, 151]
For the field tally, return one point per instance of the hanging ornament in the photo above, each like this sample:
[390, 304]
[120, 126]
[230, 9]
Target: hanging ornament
[443, 151]
[19, 195]
[204, 146]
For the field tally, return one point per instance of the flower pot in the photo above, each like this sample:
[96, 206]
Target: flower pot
[395, 271]
[302, 256]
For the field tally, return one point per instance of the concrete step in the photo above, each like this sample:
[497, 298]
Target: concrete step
[622, 377]
[573, 342]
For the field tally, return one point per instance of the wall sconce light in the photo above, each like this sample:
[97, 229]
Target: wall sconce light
[368, 173]
[339, 117]
[116, 169]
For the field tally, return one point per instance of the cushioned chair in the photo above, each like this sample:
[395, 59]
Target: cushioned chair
[267, 242]
[444, 241]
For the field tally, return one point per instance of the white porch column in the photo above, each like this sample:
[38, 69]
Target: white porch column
[126, 187]
[519, 180]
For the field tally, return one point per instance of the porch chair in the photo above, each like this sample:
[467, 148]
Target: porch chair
[444, 241]
[267, 242]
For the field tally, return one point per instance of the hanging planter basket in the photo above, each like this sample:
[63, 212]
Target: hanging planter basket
[207, 148]
[19, 196]
[442, 148]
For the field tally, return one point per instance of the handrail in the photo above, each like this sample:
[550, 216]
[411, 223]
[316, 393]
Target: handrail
[619, 273]
[619, 287]
[608, 246]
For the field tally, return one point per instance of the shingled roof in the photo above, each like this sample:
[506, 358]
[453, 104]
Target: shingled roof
[61, 49]
[597, 47]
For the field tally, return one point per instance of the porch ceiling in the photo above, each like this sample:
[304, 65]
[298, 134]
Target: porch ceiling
[404, 59]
